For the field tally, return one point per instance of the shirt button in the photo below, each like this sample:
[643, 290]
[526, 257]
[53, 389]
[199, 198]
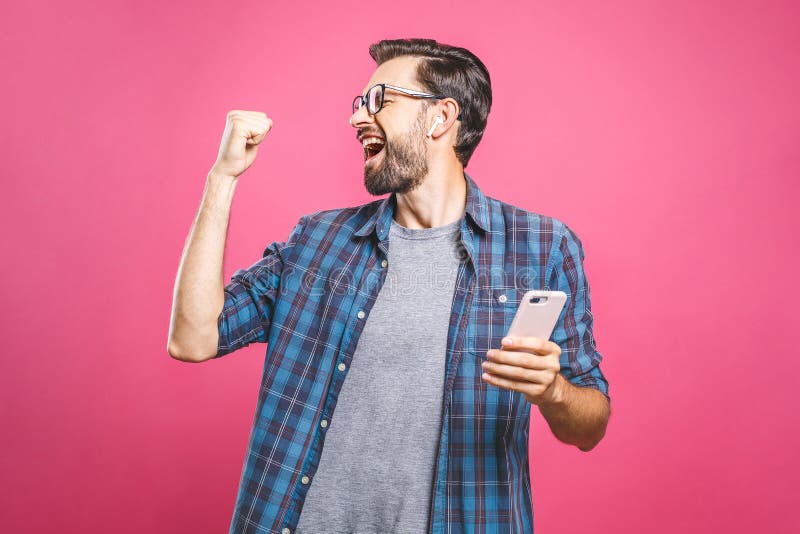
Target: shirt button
[384, 263]
[342, 367]
[502, 299]
[324, 423]
[361, 314]
[304, 480]
[286, 531]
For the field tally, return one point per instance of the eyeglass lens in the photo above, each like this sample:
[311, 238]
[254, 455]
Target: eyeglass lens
[374, 100]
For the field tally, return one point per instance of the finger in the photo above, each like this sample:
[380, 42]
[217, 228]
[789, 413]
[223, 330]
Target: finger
[522, 359]
[521, 374]
[256, 131]
[513, 385]
[532, 344]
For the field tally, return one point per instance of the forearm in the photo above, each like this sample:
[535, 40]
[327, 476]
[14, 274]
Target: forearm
[199, 290]
[577, 415]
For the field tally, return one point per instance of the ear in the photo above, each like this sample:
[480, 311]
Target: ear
[449, 110]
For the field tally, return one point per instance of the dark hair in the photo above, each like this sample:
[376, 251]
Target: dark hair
[449, 71]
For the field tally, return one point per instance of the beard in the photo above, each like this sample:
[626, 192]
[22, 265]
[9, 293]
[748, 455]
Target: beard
[404, 164]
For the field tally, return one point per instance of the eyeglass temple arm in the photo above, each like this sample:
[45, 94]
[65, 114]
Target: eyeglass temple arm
[412, 91]
[416, 93]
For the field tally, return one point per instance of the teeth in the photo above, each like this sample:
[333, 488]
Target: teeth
[371, 140]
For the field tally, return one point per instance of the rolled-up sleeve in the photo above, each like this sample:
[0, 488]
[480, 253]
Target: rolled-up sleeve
[250, 298]
[580, 359]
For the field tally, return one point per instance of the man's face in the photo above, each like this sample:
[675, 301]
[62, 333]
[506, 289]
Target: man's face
[402, 164]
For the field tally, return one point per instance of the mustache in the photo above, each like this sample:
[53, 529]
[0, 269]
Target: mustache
[363, 133]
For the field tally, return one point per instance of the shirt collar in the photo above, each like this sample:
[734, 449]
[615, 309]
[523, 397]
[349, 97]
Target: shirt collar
[477, 207]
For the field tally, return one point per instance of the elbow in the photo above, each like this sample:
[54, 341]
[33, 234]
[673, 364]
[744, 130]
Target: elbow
[185, 356]
[193, 346]
[588, 445]
[175, 353]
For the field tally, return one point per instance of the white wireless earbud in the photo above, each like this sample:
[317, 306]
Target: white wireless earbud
[436, 122]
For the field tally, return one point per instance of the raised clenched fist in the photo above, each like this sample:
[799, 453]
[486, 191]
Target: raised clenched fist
[244, 131]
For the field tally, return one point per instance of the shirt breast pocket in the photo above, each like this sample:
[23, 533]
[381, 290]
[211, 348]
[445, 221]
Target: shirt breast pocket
[493, 310]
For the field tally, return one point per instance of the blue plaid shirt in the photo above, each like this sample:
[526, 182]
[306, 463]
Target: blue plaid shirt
[309, 297]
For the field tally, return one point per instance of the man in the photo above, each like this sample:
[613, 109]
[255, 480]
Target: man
[390, 399]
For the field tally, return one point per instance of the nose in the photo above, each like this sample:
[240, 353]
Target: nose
[361, 117]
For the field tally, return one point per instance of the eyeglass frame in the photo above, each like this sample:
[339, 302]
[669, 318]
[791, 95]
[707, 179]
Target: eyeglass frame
[410, 92]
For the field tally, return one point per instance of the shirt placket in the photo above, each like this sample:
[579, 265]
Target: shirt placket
[373, 278]
[459, 317]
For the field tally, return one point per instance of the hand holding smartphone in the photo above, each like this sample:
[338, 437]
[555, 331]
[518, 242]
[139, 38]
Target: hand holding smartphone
[537, 314]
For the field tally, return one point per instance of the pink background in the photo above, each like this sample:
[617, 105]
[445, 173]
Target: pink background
[664, 133]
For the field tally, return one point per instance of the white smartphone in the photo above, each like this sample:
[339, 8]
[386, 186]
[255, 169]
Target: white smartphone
[538, 313]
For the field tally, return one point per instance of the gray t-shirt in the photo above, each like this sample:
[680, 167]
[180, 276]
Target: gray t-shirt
[376, 469]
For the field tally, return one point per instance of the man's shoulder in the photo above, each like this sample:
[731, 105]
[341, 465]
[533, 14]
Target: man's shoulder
[507, 217]
[539, 229]
[346, 220]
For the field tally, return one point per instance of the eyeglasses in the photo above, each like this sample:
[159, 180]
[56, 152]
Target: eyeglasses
[374, 98]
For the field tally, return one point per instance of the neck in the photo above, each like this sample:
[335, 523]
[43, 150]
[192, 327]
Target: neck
[439, 200]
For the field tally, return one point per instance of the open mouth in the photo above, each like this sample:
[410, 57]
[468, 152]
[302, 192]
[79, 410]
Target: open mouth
[372, 147]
